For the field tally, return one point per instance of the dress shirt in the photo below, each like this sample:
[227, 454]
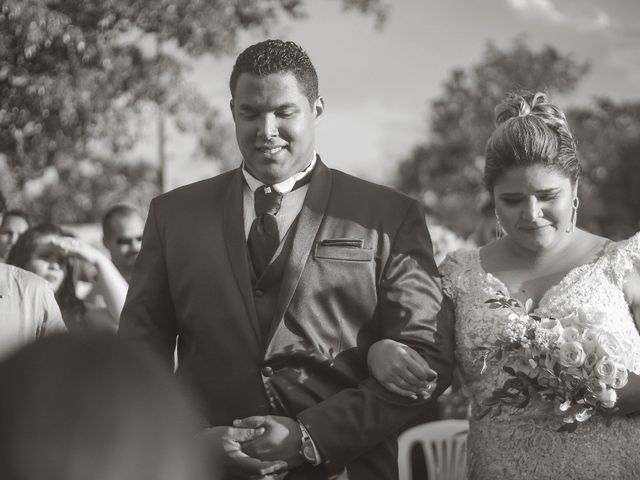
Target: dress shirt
[290, 207]
[28, 309]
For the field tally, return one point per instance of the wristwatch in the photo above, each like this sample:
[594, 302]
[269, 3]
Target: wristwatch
[307, 448]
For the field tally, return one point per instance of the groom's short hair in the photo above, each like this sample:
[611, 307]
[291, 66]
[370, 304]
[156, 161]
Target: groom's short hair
[277, 56]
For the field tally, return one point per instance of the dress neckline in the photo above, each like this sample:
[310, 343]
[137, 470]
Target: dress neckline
[556, 286]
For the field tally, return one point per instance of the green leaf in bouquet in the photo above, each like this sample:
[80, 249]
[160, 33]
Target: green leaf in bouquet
[513, 384]
[491, 401]
[483, 413]
[512, 302]
[524, 403]
[509, 370]
[495, 305]
[502, 394]
[524, 378]
[498, 355]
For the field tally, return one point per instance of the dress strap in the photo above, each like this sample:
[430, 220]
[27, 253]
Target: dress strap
[623, 257]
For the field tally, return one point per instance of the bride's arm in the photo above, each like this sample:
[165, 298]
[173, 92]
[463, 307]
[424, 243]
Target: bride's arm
[629, 396]
[632, 294]
[400, 369]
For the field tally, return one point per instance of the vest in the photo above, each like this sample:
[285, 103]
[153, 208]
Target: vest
[266, 289]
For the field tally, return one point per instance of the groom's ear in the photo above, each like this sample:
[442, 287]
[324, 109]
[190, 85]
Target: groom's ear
[231, 105]
[318, 108]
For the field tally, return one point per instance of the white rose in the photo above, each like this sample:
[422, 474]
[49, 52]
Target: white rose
[605, 370]
[608, 398]
[621, 378]
[571, 334]
[570, 320]
[609, 346]
[590, 360]
[571, 354]
[596, 386]
[588, 320]
[589, 340]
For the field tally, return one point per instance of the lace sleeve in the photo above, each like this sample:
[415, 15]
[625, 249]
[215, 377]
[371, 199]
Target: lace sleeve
[451, 269]
[625, 257]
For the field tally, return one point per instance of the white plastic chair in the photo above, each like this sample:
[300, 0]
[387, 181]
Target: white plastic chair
[444, 444]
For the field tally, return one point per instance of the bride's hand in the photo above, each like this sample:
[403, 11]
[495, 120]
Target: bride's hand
[400, 369]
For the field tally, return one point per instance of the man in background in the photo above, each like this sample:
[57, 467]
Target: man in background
[13, 224]
[122, 227]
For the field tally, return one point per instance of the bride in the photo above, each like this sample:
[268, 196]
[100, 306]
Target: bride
[532, 172]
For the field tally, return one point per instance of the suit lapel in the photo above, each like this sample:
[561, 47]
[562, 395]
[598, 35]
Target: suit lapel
[236, 244]
[311, 215]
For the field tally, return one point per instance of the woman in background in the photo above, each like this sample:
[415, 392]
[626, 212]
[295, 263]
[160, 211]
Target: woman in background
[46, 250]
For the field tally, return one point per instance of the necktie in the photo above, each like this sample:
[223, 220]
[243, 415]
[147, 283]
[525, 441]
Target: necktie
[264, 237]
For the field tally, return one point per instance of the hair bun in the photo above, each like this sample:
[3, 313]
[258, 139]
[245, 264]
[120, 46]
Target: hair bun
[523, 104]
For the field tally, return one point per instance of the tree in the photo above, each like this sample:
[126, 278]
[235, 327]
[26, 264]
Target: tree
[446, 170]
[608, 136]
[76, 77]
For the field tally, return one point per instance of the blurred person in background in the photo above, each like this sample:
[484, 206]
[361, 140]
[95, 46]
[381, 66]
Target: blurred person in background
[91, 407]
[28, 309]
[46, 250]
[13, 224]
[122, 228]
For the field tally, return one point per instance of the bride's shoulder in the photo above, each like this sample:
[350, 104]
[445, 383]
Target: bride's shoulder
[457, 261]
[622, 257]
[629, 247]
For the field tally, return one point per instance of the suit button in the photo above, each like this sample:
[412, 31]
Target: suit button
[258, 293]
[267, 371]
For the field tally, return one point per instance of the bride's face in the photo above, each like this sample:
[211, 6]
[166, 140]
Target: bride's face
[534, 205]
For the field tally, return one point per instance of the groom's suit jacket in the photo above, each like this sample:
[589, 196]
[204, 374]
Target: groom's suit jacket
[359, 268]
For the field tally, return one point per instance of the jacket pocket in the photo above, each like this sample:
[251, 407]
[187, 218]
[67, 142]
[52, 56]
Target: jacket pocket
[343, 249]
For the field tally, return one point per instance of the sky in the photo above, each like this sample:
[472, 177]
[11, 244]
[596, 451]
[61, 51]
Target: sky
[378, 83]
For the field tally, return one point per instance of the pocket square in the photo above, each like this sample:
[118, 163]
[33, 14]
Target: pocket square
[343, 249]
[342, 242]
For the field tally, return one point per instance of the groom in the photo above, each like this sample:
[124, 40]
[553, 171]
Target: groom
[276, 277]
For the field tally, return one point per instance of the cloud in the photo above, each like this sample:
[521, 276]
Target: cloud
[542, 9]
[547, 11]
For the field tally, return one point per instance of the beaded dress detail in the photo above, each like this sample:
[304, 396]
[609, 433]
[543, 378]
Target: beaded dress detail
[524, 444]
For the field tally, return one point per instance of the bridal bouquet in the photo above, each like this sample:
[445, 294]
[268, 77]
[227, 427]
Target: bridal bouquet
[565, 365]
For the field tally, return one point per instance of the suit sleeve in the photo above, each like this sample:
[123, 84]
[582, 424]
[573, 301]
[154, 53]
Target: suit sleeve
[412, 310]
[148, 317]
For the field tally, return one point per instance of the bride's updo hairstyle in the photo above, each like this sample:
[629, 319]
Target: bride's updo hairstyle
[530, 130]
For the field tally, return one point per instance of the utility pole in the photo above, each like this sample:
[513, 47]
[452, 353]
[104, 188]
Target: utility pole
[162, 157]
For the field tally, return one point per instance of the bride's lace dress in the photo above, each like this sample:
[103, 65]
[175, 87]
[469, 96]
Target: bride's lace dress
[524, 444]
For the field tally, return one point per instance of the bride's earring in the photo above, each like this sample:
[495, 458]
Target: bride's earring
[499, 229]
[574, 215]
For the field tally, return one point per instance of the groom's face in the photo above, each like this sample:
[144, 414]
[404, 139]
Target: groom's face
[275, 125]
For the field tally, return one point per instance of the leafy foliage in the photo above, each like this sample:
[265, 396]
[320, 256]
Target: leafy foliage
[76, 78]
[446, 170]
[609, 145]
